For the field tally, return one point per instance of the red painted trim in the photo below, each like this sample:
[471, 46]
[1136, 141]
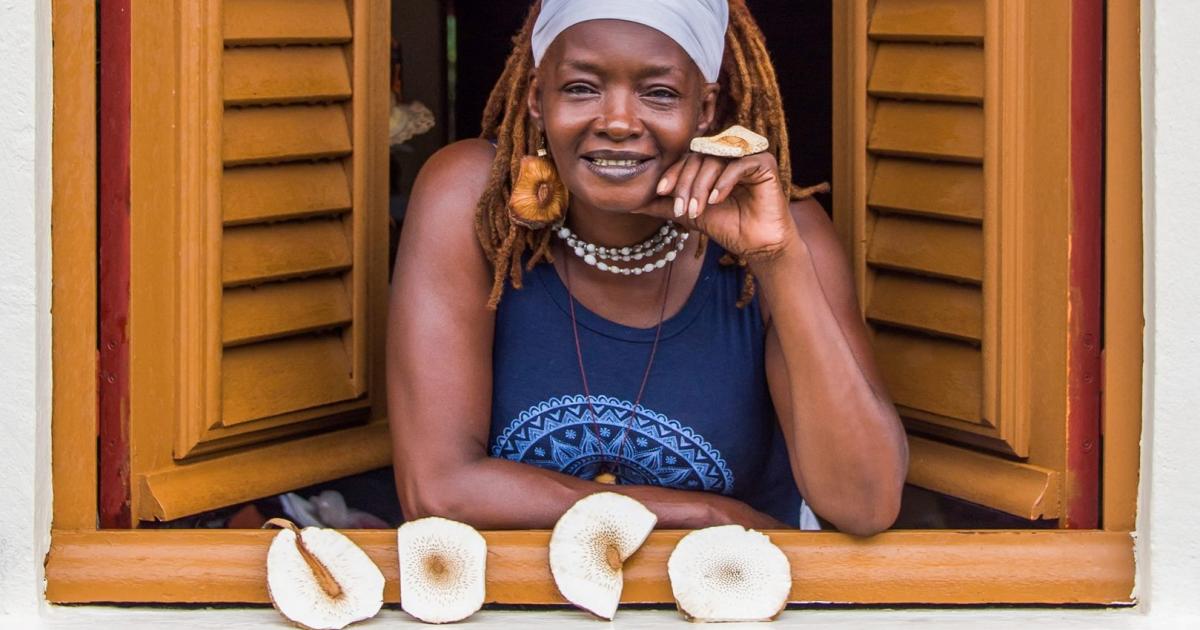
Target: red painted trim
[114, 109]
[1082, 505]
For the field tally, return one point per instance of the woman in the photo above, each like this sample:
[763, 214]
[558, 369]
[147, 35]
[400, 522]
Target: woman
[624, 355]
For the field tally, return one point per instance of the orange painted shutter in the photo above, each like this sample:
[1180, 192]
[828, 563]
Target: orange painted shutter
[952, 192]
[259, 248]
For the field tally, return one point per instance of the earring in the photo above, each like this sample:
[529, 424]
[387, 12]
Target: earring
[539, 197]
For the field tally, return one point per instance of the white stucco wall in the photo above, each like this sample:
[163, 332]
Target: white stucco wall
[1169, 557]
[24, 299]
[1170, 553]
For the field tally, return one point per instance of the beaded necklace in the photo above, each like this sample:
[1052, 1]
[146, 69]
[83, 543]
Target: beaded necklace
[604, 258]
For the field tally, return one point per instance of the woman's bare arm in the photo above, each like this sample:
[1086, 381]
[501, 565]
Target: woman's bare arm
[848, 450]
[439, 372]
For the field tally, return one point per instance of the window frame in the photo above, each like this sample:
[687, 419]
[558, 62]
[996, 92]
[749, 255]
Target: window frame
[86, 564]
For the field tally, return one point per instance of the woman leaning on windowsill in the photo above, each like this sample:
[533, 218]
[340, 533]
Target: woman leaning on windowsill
[602, 335]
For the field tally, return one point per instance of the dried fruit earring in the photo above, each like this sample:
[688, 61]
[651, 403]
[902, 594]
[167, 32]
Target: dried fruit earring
[539, 197]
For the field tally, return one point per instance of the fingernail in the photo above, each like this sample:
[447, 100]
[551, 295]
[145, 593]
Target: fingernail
[679, 206]
[713, 197]
[694, 208]
[663, 186]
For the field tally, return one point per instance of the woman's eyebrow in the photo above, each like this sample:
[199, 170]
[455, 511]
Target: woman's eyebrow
[584, 66]
[658, 71]
[643, 72]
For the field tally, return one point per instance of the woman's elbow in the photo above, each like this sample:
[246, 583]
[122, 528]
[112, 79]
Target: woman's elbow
[433, 495]
[878, 518]
[872, 513]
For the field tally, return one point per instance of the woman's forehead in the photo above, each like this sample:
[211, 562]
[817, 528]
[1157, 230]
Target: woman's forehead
[598, 44]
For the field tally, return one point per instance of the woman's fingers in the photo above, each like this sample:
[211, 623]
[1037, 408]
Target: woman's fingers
[749, 171]
[684, 203]
[667, 183]
[702, 187]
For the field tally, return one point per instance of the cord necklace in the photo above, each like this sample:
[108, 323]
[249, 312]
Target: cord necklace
[607, 471]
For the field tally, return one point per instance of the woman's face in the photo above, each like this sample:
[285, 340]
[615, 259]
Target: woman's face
[620, 103]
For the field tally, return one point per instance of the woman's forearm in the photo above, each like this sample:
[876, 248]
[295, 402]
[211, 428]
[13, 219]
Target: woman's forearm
[847, 442]
[492, 493]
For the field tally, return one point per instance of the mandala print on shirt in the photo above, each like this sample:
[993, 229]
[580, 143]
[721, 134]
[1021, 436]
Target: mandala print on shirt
[559, 434]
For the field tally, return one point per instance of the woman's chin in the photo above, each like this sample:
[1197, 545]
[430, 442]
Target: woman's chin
[628, 203]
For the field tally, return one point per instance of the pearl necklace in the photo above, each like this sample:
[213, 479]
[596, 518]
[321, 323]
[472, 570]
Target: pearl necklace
[595, 255]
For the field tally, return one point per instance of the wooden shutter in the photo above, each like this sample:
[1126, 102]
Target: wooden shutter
[954, 195]
[258, 248]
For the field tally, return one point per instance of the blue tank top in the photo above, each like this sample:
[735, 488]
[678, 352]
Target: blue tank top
[705, 421]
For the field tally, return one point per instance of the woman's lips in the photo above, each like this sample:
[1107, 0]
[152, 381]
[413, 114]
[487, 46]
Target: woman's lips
[617, 170]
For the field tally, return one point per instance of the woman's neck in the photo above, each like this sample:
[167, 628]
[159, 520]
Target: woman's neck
[611, 229]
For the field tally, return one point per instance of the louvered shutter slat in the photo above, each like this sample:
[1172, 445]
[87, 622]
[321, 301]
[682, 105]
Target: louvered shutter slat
[934, 375]
[928, 72]
[937, 307]
[928, 130]
[933, 189]
[271, 378]
[279, 309]
[928, 20]
[937, 248]
[285, 75]
[286, 22]
[285, 133]
[254, 194]
[259, 253]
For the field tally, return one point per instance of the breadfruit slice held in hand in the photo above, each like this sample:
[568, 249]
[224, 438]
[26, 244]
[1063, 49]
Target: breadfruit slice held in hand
[319, 579]
[589, 546]
[442, 567]
[728, 573]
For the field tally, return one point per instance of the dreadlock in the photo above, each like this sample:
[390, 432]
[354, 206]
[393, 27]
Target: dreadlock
[749, 97]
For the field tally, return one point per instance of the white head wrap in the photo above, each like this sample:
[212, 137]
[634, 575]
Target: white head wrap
[698, 26]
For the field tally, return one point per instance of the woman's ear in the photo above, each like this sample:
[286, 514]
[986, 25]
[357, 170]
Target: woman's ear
[708, 108]
[534, 100]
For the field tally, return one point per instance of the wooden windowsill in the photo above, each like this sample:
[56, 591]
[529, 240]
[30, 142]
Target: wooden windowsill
[133, 618]
[902, 567]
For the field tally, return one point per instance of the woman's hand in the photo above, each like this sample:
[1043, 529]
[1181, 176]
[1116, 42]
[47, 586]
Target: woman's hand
[737, 202]
[724, 510]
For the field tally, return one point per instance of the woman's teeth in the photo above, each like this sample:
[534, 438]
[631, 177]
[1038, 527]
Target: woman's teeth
[599, 162]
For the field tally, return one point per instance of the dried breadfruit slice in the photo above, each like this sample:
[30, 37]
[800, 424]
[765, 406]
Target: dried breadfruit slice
[320, 579]
[591, 543]
[735, 142]
[729, 573]
[442, 566]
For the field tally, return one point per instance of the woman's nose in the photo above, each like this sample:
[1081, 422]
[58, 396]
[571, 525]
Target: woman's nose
[618, 119]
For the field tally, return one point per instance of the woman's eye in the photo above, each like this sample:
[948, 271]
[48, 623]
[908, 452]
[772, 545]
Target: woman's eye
[579, 88]
[661, 93]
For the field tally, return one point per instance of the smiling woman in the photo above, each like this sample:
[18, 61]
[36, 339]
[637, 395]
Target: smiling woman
[626, 356]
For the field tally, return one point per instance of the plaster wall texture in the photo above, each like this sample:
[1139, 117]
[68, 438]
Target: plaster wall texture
[1170, 503]
[24, 300]
[1169, 556]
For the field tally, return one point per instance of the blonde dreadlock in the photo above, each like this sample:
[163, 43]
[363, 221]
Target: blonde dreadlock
[749, 97]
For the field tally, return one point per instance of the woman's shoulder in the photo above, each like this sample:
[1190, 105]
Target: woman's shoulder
[441, 219]
[447, 190]
[457, 172]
